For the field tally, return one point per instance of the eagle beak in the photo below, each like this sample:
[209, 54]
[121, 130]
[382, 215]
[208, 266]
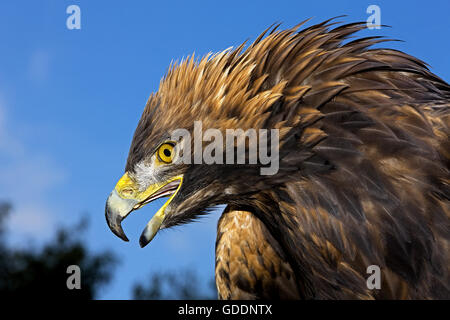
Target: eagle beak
[116, 210]
[126, 198]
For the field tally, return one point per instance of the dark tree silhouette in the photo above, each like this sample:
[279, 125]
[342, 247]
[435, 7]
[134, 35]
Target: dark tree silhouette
[42, 274]
[174, 285]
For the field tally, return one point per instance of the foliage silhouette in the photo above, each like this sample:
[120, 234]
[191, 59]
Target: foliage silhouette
[25, 273]
[42, 274]
[173, 285]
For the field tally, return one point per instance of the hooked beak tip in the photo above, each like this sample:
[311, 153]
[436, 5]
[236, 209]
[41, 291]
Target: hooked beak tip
[114, 220]
[114, 224]
[118, 231]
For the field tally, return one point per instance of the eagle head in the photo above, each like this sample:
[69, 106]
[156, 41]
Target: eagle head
[183, 148]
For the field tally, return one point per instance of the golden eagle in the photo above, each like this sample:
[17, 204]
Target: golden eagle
[363, 177]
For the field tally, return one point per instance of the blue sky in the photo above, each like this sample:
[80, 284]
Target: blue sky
[71, 99]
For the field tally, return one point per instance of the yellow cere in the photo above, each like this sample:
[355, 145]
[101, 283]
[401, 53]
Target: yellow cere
[126, 187]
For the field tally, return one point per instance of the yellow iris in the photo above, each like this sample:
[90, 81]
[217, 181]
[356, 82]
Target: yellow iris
[165, 152]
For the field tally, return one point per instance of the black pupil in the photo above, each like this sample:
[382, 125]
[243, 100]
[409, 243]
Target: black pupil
[167, 152]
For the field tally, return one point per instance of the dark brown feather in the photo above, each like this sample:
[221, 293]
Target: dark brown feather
[364, 165]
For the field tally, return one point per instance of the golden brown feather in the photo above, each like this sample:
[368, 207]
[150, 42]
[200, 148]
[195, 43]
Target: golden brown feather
[364, 165]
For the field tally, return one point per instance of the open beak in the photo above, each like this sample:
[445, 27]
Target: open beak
[126, 197]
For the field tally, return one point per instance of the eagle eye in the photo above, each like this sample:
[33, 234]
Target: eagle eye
[165, 152]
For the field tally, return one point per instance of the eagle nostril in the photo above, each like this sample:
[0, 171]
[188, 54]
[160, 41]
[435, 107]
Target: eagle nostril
[127, 192]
